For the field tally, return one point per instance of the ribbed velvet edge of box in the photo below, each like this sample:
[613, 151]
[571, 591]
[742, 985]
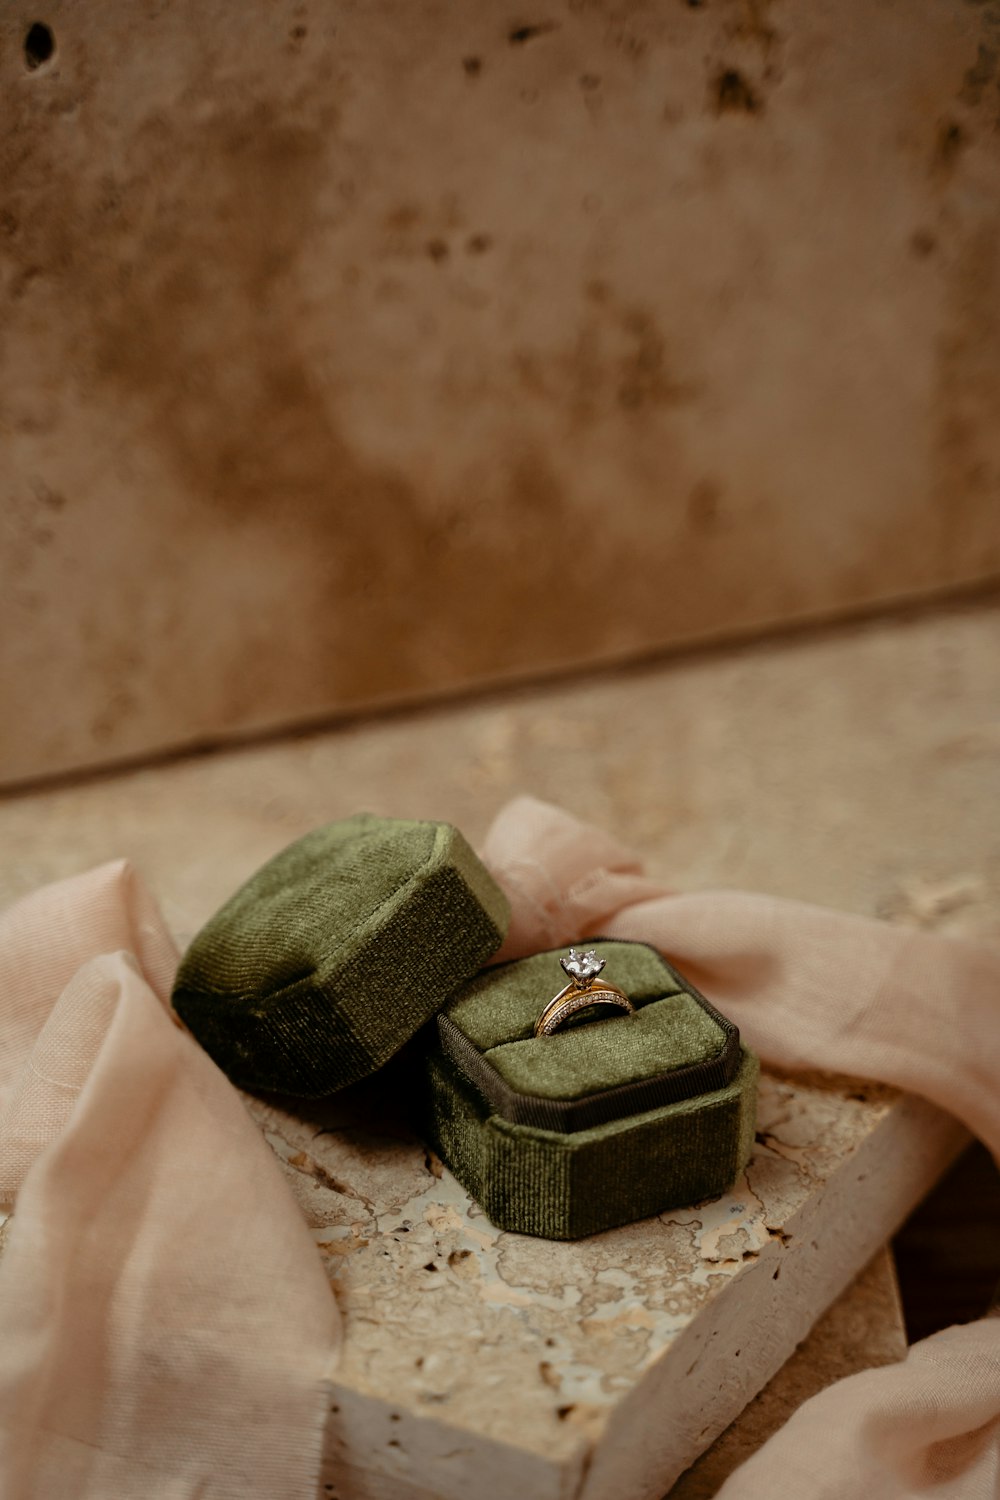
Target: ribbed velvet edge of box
[564, 1187]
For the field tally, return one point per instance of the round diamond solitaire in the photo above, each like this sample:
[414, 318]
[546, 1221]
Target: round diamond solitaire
[583, 967]
[581, 994]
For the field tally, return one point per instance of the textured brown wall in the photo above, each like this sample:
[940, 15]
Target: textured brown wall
[355, 352]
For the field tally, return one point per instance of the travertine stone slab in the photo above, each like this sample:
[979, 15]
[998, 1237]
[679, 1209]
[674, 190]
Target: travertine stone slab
[477, 1360]
[336, 338]
[863, 1329]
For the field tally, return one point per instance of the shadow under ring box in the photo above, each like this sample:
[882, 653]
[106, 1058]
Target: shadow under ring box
[371, 931]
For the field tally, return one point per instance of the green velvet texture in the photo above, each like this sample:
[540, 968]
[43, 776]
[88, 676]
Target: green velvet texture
[498, 1011]
[567, 1185]
[617, 1049]
[564, 1187]
[333, 954]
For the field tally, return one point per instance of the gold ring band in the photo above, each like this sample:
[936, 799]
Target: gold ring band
[581, 993]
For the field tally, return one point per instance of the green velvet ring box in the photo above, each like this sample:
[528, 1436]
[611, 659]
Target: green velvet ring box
[337, 951]
[603, 1122]
[372, 931]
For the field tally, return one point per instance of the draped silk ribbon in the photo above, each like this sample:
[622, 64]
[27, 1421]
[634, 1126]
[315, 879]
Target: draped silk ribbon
[166, 1326]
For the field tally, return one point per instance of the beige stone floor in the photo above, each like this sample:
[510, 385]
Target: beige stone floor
[858, 766]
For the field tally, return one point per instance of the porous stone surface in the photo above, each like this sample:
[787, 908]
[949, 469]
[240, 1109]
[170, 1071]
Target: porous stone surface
[329, 332]
[850, 766]
[479, 1360]
[863, 1329]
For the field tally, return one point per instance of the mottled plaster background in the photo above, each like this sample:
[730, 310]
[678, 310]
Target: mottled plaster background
[353, 353]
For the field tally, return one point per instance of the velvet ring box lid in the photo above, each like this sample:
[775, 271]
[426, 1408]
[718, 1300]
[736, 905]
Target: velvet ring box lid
[337, 951]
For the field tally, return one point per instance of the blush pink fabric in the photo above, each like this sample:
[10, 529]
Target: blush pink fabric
[812, 988]
[167, 1327]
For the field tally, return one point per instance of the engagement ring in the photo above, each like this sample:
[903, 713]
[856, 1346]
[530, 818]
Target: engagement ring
[581, 993]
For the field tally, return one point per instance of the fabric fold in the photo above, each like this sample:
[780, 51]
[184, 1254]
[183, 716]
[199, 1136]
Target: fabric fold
[168, 1329]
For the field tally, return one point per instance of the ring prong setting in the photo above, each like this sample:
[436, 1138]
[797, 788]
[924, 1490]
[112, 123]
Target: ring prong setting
[582, 968]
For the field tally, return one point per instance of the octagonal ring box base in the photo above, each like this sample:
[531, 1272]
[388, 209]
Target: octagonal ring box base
[605, 1121]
